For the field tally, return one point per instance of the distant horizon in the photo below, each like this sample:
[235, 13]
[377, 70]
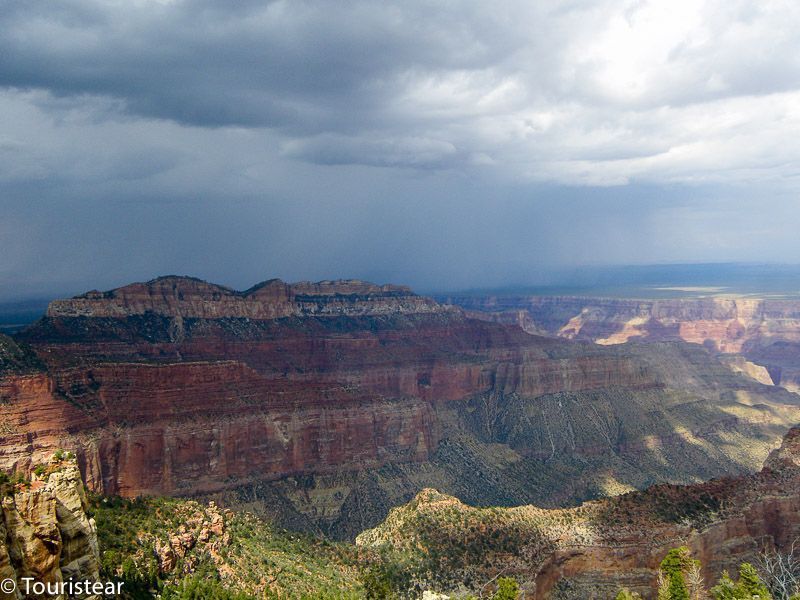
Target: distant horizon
[669, 276]
[443, 146]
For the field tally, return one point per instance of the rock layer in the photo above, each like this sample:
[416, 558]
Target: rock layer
[185, 297]
[765, 331]
[177, 386]
[46, 533]
[738, 518]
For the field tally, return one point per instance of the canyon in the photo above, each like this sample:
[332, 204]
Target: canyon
[764, 331]
[323, 405]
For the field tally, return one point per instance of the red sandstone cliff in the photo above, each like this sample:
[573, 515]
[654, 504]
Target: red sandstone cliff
[141, 427]
[179, 386]
[192, 298]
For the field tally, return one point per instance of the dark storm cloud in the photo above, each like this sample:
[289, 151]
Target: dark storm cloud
[296, 65]
[586, 92]
[441, 144]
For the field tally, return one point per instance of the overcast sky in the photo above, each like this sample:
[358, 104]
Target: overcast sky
[439, 144]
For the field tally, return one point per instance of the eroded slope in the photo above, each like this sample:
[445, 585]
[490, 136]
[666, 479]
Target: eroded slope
[328, 403]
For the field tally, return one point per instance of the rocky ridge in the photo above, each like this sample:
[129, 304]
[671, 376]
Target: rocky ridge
[592, 551]
[186, 297]
[161, 546]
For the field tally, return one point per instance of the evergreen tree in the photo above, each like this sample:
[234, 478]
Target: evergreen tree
[725, 588]
[678, 568]
[677, 560]
[677, 587]
[751, 584]
[748, 587]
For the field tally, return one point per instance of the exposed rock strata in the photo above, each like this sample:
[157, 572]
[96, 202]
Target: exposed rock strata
[765, 331]
[184, 297]
[729, 324]
[736, 518]
[178, 386]
[46, 533]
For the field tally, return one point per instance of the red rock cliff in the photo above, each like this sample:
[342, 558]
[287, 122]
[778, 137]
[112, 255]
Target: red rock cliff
[766, 331]
[180, 386]
[192, 298]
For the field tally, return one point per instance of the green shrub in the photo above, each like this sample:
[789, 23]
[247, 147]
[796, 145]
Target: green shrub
[507, 589]
[390, 578]
[19, 478]
[677, 587]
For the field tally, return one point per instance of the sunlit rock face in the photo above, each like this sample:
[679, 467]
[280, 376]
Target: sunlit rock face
[723, 522]
[361, 395]
[47, 534]
[594, 550]
[765, 331]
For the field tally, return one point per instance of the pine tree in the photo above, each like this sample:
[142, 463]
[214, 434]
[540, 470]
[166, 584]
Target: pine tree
[751, 584]
[677, 560]
[680, 577]
[748, 587]
[677, 587]
[725, 588]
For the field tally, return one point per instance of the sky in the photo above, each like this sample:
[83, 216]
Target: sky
[444, 145]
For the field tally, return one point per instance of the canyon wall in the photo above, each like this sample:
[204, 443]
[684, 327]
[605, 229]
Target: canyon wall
[160, 429]
[156, 427]
[764, 330]
[362, 395]
[740, 518]
[192, 298]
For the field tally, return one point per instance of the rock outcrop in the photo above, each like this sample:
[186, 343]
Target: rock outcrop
[592, 551]
[46, 533]
[186, 297]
